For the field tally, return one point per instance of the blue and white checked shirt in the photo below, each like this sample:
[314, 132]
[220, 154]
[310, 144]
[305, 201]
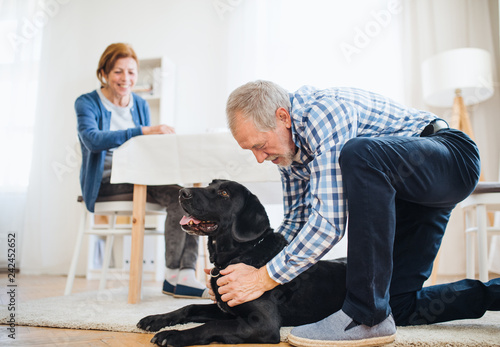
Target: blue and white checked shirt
[315, 206]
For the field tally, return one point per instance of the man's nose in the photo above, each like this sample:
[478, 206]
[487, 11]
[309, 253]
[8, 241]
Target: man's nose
[259, 155]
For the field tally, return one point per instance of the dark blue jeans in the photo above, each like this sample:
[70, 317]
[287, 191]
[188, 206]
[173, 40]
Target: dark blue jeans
[400, 193]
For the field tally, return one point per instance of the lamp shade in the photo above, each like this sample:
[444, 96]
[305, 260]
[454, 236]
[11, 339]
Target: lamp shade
[467, 69]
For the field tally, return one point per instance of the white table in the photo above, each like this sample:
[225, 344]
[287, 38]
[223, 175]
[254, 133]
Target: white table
[178, 159]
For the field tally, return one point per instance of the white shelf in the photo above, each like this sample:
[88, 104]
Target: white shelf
[156, 85]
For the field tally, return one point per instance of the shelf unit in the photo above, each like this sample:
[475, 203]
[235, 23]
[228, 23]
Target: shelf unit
[156, 84]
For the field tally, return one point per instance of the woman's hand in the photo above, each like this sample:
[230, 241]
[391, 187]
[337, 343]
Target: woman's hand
[242, 283]
[158, 129]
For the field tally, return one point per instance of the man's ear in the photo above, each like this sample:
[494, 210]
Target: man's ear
[283, 116]
[251, 222]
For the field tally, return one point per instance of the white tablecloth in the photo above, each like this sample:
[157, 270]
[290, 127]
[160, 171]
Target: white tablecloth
[186, 159]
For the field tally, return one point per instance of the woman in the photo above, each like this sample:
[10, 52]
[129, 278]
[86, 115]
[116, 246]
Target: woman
[109, 116]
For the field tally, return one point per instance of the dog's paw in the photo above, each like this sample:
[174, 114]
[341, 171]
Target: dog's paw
[153, 323]
[170, 338]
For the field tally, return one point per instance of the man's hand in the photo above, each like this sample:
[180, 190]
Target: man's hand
[242, 283]
[158, 129]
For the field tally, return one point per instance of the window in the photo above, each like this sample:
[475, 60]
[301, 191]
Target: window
[20, 38]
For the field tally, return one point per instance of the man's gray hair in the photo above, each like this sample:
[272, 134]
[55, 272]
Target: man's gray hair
[257, 101]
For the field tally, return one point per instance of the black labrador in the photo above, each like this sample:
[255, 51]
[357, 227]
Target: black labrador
[239, 232]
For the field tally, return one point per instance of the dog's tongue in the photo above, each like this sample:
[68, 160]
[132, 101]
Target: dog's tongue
[186, 219]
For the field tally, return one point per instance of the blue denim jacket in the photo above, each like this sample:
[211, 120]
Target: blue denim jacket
[96, 138]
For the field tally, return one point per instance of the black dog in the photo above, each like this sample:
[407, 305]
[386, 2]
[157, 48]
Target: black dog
[238, 232]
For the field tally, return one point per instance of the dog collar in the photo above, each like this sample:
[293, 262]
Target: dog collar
[215, 272]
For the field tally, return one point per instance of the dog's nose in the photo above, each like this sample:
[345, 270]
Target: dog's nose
[185, 194]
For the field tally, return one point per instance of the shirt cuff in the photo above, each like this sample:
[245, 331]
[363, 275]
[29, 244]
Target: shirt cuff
[282, 271]
[134, 132]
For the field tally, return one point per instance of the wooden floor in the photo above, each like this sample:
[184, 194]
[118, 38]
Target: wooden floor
[37, 287]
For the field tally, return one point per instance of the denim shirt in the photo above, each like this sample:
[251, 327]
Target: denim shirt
[95, 139]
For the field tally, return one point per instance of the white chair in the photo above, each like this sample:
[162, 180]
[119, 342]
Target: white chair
[118, 205]
[484, 199]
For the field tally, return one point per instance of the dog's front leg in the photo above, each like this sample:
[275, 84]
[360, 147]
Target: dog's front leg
[234, 331]
[186, 314]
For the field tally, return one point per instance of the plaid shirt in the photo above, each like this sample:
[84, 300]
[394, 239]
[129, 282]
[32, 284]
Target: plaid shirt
[314, 203]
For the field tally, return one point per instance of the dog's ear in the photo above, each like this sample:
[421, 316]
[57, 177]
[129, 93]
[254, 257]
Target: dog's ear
[251, 222]
[217, 180]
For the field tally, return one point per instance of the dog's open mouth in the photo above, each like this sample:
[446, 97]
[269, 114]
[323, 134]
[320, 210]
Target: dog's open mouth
[198, 227]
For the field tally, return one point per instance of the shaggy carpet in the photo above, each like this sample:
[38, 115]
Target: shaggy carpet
[108, 310]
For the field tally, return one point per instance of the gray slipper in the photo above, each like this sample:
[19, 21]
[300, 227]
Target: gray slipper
[340, 330]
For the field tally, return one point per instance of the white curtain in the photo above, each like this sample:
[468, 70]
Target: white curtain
[434, 26]
[20, 37]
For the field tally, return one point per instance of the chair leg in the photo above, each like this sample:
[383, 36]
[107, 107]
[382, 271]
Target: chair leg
[206, 255]
[470, 255]
[482, 242]
[202, 252]
[493, 250]
[76, 253]
[469, 246]
[106, 261]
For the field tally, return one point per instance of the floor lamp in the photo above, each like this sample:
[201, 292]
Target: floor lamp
[457, 78]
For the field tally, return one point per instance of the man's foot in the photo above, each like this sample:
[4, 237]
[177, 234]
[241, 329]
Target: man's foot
[340, 330]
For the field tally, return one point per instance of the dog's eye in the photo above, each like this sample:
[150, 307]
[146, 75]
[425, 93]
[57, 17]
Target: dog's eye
[223, 193]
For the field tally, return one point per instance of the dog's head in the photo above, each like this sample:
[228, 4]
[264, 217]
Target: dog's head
[223, 206]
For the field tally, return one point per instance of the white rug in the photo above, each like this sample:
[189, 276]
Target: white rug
[108, 310]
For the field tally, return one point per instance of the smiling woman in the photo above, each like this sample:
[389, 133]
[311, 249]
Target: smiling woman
[107, 118]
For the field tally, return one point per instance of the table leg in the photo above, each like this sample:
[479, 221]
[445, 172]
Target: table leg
[137, 249]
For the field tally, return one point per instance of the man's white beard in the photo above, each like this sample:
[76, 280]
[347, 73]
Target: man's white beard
[286, 159]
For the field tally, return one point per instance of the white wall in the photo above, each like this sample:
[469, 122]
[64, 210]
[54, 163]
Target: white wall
[191, 33]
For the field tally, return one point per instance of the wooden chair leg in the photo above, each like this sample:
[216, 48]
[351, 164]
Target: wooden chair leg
[137, 248]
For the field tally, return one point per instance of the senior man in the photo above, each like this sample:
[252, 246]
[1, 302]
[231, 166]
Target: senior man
[395, 171]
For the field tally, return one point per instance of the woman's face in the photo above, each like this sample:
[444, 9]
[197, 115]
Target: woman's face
[122, 77]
